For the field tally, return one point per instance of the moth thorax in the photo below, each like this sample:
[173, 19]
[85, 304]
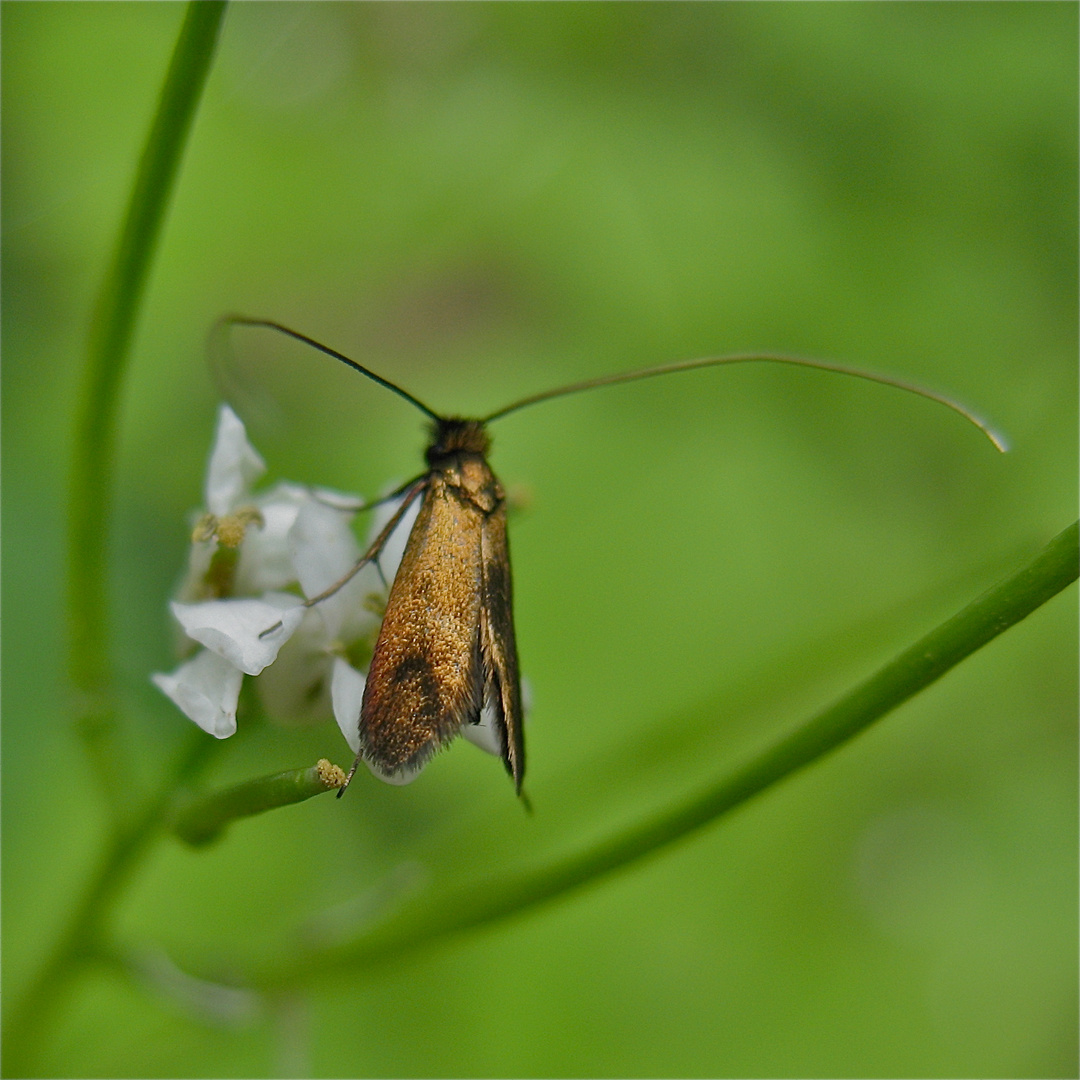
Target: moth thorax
[454, 436]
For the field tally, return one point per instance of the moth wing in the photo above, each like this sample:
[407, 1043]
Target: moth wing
[427, 674]
[502, 683]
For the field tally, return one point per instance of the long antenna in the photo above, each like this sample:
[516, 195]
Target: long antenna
[269, 324]
[996, 438]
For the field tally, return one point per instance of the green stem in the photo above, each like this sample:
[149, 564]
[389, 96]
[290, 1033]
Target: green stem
[80, 941]
[203, 819]
[107, 354]
[91, 487]
[433, 917]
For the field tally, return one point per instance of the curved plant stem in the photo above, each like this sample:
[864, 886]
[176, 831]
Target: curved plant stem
[106, 362]
[91, 486]
[80, 940]
[439, 915]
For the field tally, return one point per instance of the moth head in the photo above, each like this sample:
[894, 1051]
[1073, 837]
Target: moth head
[453, 435]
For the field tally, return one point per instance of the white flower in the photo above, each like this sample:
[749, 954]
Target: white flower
[230, 600]
[206, 690]
[343, 626]
[233, 467]
[251, 554]
[483, 734]
[347, 690]
[246, 633]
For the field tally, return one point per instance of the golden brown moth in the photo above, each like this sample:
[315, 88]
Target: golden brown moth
[447, 645]
[447, 648]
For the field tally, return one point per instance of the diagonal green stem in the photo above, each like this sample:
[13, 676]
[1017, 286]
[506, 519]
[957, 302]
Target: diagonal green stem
[203, 819]
[79, 941]
[437, 916]
[107, 354]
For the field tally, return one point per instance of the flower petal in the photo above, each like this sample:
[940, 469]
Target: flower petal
[295, 688]
[234, 464]
[324, 550]
[339, 500]
[347, 692]
[399, 778]
[323, 547]
[265, 560]
[247, 633]
[206, 690]
[484, 734]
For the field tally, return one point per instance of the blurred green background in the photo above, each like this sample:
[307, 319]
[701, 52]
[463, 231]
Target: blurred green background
[481, 201]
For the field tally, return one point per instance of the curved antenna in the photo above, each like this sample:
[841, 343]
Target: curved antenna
[269, 324]
[996, 438]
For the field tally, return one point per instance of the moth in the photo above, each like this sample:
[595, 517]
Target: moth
[446, 650]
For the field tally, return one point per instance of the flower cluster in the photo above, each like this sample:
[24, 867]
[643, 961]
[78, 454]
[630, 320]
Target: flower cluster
[253, 557]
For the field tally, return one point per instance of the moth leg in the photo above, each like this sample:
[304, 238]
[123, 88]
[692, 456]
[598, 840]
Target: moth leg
[382, 576]
[412, 490]
[359, 507]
